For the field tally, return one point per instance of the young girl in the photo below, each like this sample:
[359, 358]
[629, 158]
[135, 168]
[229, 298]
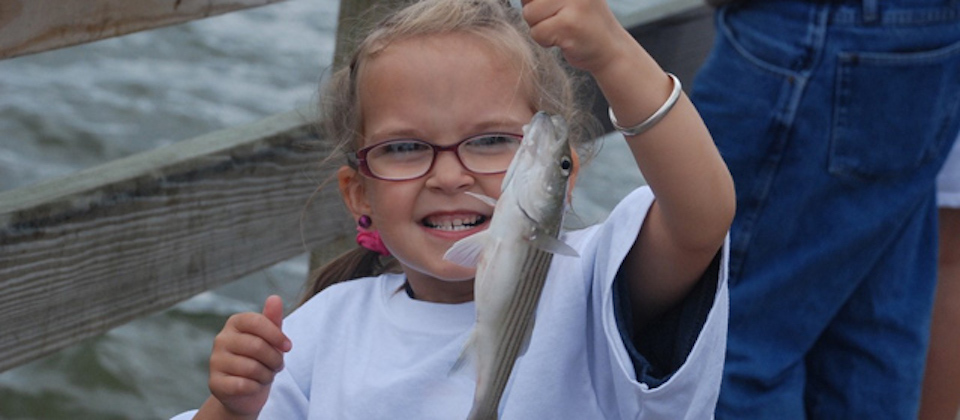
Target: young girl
[632, 328]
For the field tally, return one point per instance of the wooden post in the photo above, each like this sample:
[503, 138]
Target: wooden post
[355, 17]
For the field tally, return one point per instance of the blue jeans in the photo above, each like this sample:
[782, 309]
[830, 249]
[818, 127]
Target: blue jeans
[834, 118]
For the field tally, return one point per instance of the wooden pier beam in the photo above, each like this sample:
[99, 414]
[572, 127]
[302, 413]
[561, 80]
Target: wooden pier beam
[30, 26]
[88, 252]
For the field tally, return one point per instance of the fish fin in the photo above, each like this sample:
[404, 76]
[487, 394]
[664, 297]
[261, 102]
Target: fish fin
[468, 354]
[467, 251]
[552, 245]
[490, 201]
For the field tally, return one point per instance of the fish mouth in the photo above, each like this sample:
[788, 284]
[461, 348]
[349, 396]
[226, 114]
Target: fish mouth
[454, 223]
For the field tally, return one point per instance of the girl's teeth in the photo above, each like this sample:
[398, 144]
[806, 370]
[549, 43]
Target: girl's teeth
[455, 224]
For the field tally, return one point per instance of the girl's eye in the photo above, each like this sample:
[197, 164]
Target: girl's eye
[400, 152]
[494, 143]
[401, 147]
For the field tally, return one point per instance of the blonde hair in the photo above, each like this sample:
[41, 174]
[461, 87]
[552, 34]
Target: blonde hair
[549, 81]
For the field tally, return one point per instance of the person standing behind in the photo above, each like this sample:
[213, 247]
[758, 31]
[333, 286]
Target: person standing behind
[834, 118]
[940, 399]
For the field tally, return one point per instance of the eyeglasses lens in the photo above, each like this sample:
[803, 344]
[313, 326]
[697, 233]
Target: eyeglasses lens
[409, 159]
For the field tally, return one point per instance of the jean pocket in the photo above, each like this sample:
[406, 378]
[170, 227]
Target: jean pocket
[765, 39]
[893, 112]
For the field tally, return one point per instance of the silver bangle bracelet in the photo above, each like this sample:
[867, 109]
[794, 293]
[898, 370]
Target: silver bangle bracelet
[656, 117]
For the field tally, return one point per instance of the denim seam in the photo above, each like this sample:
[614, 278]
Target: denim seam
[896, 17]
[793, 90]
[724, 27]
[902, 58]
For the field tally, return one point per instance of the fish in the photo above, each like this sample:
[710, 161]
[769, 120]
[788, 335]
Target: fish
[512, 257]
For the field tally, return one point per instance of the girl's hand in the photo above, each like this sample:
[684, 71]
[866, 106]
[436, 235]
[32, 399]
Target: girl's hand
[586, 31]
[247, 354]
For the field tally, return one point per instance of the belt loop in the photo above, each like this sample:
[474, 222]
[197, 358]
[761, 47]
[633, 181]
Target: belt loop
[871, 12]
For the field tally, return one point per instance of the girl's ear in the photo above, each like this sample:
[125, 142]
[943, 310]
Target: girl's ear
[352, 191]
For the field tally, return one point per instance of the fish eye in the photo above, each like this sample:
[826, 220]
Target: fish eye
[565, 165]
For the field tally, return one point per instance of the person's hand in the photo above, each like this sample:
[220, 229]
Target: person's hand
[586, 31]
[246, 355]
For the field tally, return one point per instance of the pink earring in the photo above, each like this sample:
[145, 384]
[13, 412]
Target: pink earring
[369, 239]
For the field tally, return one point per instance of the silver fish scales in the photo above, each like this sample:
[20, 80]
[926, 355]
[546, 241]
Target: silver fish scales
[513, 257]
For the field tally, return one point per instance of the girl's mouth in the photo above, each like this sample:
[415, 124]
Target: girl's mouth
[454, 223]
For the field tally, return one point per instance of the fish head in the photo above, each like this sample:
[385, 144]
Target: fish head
[541, 170]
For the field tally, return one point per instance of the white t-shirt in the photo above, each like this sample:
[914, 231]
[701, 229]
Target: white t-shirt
[363, 349]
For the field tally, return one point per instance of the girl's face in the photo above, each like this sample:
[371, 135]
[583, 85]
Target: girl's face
[440, 89]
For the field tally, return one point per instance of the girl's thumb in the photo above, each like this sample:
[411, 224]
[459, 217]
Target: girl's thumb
[273, 310]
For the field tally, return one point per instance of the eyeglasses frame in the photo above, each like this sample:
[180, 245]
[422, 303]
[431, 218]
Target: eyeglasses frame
[361, 155]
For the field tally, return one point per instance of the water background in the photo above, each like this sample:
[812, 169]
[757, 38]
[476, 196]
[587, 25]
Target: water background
[66, 110]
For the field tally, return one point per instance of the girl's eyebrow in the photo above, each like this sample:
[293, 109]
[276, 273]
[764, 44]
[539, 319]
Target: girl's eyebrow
[507, 124]
[497, 124]
[391, 133]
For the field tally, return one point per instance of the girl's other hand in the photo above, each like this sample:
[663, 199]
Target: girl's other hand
[586, 31]
[246, 355]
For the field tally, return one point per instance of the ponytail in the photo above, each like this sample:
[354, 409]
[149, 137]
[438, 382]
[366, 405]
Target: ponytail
[353, 264]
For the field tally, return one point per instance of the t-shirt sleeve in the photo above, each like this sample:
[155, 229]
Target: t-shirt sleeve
[659, 349]
[673, 369]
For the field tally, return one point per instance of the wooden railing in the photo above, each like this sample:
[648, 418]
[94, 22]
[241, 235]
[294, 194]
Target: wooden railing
[88, 252]
[30, 26]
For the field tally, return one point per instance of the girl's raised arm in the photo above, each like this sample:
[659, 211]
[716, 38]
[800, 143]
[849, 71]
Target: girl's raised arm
[695, 199]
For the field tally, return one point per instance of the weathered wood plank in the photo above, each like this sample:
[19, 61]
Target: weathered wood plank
[86, 253]
[30, 26]
[354, 16]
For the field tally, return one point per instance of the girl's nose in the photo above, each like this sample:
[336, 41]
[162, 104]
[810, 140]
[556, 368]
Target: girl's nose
[448, 174]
